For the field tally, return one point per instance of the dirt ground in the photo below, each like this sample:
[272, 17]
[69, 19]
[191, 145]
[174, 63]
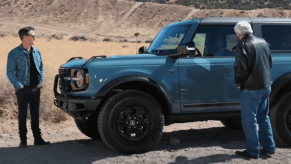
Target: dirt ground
[200, 142]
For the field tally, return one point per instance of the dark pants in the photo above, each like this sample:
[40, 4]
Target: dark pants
[25, 96]
[255, 110]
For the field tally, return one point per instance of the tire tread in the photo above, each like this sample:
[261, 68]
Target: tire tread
[273, 114]
[105, 108]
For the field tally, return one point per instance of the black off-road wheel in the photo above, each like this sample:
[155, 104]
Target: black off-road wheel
[280, 116]
[88, 128]
[234, 123]
[131, 122]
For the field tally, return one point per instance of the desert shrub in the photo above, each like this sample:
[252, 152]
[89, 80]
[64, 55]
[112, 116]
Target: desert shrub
[79, 38]
[8, 102]
[48, 112]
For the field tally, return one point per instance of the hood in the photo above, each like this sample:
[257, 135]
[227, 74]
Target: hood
[133, 55]
[80, 62]
[74, 63]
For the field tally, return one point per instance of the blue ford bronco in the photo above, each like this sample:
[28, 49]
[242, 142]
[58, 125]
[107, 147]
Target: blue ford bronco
[185, 75]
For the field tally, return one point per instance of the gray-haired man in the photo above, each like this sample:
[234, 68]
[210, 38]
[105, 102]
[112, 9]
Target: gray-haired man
[252, 74]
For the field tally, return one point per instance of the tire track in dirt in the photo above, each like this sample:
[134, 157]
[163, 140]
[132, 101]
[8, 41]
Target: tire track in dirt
[120, 21]
[191, 14]
[39, 27]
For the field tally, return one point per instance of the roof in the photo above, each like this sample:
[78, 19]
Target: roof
[261, 20]
[223, 20]
[234, 20]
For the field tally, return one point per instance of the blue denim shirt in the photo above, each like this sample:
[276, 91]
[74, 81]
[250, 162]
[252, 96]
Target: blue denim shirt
[18, 66]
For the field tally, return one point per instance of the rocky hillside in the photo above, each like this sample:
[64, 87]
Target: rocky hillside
[121, 19]
[227, 4]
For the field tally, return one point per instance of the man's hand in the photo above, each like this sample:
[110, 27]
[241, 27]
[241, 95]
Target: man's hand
[35, 89]
[238, 86]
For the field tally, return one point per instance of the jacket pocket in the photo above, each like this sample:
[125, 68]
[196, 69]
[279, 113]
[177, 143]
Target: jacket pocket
[20, 63]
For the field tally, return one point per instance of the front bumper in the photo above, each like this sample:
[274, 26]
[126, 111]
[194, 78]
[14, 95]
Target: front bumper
[79, 108]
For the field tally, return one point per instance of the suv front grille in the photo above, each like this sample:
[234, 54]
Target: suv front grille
[66, 72]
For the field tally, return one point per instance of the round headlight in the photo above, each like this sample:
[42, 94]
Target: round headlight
[79, 81]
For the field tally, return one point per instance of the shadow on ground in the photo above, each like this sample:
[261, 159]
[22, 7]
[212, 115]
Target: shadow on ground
[89, 151]
[218, 136]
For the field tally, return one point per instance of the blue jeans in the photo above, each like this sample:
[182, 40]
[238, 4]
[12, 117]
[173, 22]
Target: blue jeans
[255, 110]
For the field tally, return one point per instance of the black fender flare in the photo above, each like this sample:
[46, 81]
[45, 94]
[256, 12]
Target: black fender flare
[278, 84]
[113, 83]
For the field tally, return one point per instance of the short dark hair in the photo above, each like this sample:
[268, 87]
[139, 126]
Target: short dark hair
[24, 31]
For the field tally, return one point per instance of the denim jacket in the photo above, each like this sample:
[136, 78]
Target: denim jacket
[18, 66]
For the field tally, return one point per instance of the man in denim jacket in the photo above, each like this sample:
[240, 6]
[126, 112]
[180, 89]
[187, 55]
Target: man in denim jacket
[25, 72]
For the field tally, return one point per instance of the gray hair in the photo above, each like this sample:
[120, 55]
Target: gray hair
[242, 28]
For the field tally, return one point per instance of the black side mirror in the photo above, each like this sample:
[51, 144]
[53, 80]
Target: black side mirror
[187, 49]
[142, 50]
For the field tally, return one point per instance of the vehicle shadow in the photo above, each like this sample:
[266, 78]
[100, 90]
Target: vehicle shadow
[214, 158]
[206, 137]
[77, 151]
[216, 136]
[89, 151]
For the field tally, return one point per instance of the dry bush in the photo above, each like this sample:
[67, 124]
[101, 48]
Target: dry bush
[8, 102]
[48, 112]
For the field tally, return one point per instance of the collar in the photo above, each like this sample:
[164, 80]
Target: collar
[23, 49]
[248, 35]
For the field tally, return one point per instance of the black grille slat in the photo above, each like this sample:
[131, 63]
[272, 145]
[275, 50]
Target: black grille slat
[66, 72]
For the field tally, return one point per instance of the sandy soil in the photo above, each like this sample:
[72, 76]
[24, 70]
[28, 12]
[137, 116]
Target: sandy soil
[56, 52]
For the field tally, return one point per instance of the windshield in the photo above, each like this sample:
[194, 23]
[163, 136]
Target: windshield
[169, 37]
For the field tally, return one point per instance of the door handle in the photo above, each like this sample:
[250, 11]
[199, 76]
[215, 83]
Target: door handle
[171, 71]
[229, 74]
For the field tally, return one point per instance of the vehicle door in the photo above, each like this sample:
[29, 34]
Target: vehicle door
[207, 81]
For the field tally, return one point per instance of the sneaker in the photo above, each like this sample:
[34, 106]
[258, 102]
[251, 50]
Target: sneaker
[41, 142]
[23, 144]
[245, 154]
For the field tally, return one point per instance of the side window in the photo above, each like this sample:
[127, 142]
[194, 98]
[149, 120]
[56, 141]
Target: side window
[278, 36]
[215, 40]
[199, 41]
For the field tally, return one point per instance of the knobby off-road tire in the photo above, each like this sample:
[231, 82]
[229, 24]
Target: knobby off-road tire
[232, 123]
[88, 128]
[131, 122]
[280, 116]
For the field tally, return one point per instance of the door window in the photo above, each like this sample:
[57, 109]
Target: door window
[215, 40]
[278, 36]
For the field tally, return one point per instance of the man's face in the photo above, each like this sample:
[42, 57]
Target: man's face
[239, 36]
[30, 38]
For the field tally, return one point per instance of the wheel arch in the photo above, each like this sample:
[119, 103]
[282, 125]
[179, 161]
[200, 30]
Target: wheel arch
[279, 88]
[142, 83]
